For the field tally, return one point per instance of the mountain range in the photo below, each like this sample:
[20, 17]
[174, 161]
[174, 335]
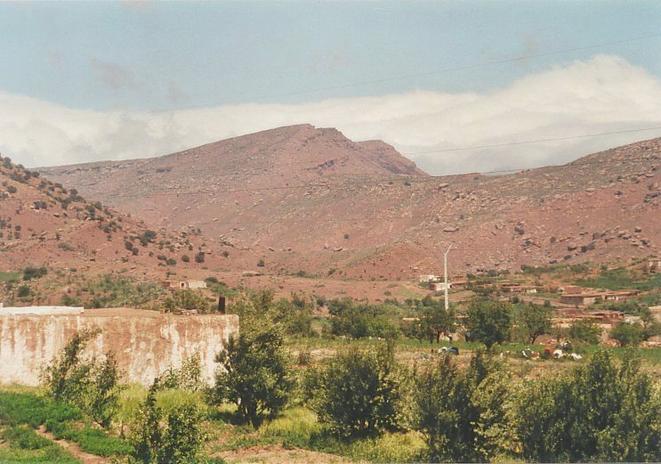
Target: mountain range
[308, 200]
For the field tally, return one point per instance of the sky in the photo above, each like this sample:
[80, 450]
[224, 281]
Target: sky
[455, 86]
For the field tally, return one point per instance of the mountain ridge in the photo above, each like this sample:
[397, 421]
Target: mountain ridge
[311, 200]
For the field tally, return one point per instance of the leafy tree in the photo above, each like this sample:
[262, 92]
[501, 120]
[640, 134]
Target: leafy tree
[628, 334]
[91, 385]
[357, 393]
[488, 321]
[584, 331]
[434, 320]
[461, 418]
[533, 320]
[254, 374]
[599, 412]
[359, 320]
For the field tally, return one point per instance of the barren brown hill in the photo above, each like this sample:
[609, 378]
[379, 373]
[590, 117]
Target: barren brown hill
[42, 223]
[309, 200]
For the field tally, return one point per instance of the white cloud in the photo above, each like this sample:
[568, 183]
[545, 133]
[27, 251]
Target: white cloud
[603, 94]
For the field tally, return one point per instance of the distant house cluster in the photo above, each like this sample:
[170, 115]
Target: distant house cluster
[581, 297]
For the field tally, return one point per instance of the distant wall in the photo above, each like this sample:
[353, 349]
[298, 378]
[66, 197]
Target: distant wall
[145, 342]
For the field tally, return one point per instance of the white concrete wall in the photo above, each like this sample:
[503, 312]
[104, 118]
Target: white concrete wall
[145, 346]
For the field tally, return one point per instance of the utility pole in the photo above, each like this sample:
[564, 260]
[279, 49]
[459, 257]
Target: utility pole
[445, 268]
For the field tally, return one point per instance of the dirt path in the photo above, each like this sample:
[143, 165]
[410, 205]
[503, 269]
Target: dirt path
[73, 449]
[276, 454]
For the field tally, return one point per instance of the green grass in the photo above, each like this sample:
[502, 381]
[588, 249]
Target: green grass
[10, 276]
[620, 279]
[19, 408]
[89, 439]
[23, 445]
[298, 428]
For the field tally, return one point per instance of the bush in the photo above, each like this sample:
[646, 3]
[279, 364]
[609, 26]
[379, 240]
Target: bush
[30, 273]
[254, 374]
[173, 438]
[24, 291]
[357, 393]
[188, 377]
[187, 299]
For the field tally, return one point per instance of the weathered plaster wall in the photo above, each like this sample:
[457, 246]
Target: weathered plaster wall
[145, 342]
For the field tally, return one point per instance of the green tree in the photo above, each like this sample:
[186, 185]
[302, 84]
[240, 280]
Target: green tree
[488, 321]
[91, 385]
[434, 320]
[628, 334]
[357, 393]
[584, 331]
[461, 419]
[172, 438]
[254, 374]
[533, 320]
[600, 411]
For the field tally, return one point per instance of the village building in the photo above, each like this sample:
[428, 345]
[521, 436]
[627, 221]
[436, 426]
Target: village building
[186, 284]
[582, 297]
[428, 278]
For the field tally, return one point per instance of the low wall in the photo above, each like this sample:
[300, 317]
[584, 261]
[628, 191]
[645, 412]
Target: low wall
[145, 343]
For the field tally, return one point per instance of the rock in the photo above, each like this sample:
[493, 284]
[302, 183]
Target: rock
[450, 229]
[638, 229]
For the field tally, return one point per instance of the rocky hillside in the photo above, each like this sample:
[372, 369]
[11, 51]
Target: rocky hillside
[43, 223]
[309, 200]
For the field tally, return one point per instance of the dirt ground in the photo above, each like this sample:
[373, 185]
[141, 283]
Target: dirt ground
[273, 454]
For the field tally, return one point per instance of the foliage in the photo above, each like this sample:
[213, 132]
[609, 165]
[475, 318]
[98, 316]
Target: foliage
[187, 299]
[91, 385]
[172, 438]
[357, 393]
[599, 412]
[26, 408]
[115, 291]
[533, 320]
[30, 273]
[188, 377]
[584, 331]
[24, 445]
[488, 321]
[462, 415]
[618, 279]
[254, 374]
[360, 320]
[434, 321]
[628, 334]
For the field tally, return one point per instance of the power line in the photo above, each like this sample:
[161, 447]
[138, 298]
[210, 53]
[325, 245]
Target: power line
[465, 67]
[542, 140]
